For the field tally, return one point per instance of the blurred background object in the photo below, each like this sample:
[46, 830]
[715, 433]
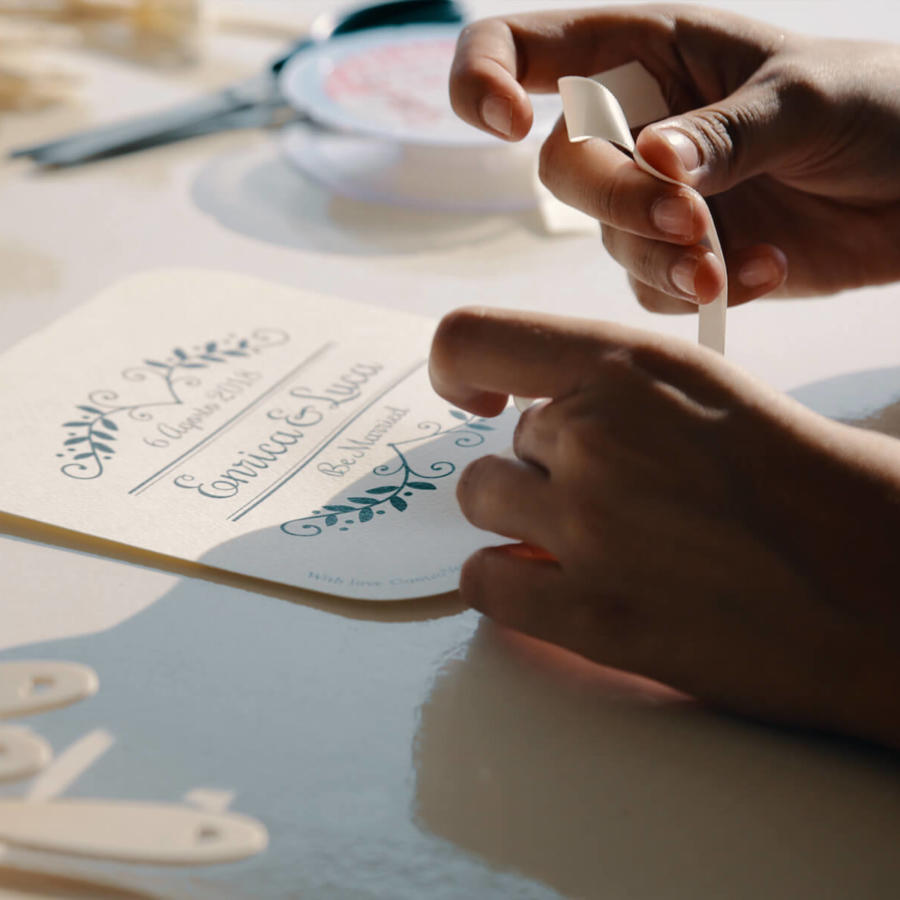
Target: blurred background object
[159, 32]
[29, 79]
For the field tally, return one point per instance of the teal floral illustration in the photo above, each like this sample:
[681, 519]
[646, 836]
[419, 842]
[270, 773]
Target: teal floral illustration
[91, 438]
[403, 481]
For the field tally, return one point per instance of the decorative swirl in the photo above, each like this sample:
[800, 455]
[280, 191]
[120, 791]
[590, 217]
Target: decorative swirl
[305, 530]
[103, 397]
[141, 373]
[469, 439]
[365, 507]
[82, 470]
[187, 380]
[442, 469]
[270, 337]
[389, 468]
[91, 437]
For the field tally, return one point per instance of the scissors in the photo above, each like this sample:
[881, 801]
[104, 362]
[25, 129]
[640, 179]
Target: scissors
[254, 102]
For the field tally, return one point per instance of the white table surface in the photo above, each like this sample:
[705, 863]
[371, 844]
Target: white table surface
[407, 750]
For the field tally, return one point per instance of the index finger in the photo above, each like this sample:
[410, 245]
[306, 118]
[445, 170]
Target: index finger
[497, 60]
[480, 356]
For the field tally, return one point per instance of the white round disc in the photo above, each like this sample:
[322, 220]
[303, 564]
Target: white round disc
[480, 179]
[390, 83]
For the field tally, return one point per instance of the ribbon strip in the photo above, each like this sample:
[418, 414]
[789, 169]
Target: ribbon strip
[608, 106]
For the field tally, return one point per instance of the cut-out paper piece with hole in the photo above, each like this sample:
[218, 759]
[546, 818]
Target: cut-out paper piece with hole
[33, 686]
[127, 831]
[608, 106]
[22, 753]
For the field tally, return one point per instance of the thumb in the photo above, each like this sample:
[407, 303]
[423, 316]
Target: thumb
[717, 146]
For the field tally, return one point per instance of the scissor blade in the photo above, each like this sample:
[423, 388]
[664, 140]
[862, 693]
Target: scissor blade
[149, 128]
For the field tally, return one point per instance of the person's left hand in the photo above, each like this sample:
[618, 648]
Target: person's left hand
[693, 525]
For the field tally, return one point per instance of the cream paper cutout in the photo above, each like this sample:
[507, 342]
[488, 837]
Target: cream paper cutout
[130, 831]
[22, 753]
[33, 686]
[70, 765]
[216, 418]
[607, 106]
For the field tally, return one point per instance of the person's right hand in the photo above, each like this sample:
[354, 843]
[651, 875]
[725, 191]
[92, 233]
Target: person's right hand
[795, 139]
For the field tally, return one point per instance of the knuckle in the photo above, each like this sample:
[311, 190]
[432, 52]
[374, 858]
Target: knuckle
[649, 298]
[470, 491]
[607, 200]
[610, 237]
[648, 262]
[720, 130]
[800, 89]
[525, 427]
[549, 166]
[579, 444]
[472, 578]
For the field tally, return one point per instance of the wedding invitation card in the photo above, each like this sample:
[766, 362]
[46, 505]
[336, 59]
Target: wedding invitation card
[259, 429]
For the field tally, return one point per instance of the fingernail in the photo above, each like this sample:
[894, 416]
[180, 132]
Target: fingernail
[496, 113]
[758, 272]
[684, 273]
[685, 149]
[674, 215]
[530, 551]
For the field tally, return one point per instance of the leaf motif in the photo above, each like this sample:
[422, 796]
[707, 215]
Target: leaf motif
[211, 346]
[366, 515]
[188, 365]
[180, 353]
[103, 435]
[90, 409]
[339, 509]
[153, 362]
[331, 520]
[77, 440]
[82, 455]
[421, 485]
[366, 500]
[243, 342]
[458, 415]
[383, 489]
[108, 423]
[211, 358]
[478, 427]
[74, 424]
[234, 352]
[398, 503]
[103, 448]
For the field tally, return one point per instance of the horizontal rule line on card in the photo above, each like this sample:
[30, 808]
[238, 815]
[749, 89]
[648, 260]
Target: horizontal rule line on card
[322, 445]
[225, 426]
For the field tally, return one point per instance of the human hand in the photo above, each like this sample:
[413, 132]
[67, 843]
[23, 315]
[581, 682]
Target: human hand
[794, 139]
[700, 528]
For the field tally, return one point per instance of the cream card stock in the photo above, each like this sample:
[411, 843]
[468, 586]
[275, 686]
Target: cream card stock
[247, 426]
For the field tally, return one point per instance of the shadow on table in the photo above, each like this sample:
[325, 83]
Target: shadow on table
[602, 785]
[366, 746]
[868, 399]
[257, 193]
